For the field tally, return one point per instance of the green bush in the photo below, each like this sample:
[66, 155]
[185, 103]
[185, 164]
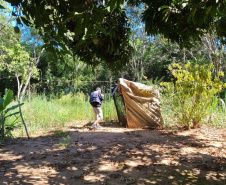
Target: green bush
[192, 92]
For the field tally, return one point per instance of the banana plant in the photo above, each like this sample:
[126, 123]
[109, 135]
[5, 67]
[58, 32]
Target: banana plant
[6, 112]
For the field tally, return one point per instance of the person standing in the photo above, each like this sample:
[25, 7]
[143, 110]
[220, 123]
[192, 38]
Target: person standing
[96, 99]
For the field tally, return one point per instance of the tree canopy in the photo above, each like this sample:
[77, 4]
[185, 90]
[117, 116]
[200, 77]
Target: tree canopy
[98, 31]
[183, 21]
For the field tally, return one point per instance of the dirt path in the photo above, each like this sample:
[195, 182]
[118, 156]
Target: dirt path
[116, 156]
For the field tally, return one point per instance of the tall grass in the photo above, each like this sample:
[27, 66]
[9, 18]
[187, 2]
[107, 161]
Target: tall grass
[43, 113]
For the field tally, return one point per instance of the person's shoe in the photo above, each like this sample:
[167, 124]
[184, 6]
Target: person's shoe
[98, 126]
[94, 126]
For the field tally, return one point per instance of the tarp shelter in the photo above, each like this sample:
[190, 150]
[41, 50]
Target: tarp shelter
[138, 105]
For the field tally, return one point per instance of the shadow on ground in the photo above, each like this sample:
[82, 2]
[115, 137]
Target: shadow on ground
[114, 156]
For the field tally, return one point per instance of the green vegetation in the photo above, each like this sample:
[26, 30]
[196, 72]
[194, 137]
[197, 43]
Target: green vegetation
[100, 28]
[65, 142]
[43, 114]
[214, 116]
[193, 93]
[6, 114]
[54, 53]
[60, 133]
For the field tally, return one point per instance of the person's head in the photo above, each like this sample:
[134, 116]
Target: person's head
[98, 89]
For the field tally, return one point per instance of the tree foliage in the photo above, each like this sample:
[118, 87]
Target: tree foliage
[93, 32]
[183, 21]
[15, 60]
[97, 30]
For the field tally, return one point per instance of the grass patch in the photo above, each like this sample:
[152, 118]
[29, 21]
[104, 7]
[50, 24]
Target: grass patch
[46, 114]
[42, 114]
[60, 133]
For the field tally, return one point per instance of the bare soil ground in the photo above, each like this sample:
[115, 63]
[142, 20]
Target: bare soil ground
[116, 156]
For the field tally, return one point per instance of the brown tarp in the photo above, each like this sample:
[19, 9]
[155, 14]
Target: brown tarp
[142, 104]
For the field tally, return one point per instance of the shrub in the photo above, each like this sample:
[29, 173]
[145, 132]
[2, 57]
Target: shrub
[7, 112]
[192, 91]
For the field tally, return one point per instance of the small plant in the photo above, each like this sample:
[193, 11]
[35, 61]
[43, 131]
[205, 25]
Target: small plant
[65, 142]
[61, 133]
[5, 128]
[193, 92]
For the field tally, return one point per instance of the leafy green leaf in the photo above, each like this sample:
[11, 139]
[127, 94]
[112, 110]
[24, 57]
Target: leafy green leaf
[8, 98]
[95, 41]
[13, 107]
[15, 113]
[101, 28]
[18, 20]
[163, 7]
[17, 29]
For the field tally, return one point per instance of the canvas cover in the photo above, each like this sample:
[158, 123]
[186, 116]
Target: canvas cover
[142, 104]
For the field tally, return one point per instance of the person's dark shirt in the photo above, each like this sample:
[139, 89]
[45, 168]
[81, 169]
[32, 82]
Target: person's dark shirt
[96, 99]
